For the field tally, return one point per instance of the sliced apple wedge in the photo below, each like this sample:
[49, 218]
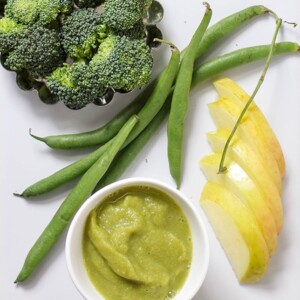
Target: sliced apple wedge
[229, 89]
[254, 166]
[238, 232]
[225, 113]
[237, 181]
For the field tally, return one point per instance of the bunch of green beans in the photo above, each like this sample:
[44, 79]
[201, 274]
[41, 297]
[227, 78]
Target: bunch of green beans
[212, 36]
[152, 107]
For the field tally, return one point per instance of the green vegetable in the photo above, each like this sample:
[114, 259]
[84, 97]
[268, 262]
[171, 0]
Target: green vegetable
[72, 203]
[119, 55]
[146, 114]
[180, 98]
[72, 84]
[130, 152]
[120, 14]
[214, 34]
[38, 52]
[205, 71]
[69, 51]
[82, 32]
[40, 12]
[10, 33]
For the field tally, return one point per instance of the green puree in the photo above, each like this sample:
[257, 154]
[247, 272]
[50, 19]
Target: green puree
[137, 245]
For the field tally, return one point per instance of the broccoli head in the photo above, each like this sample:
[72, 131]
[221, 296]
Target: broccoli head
[82, 32]
[74, 85]
[38, 51]
[136, 32]
[36, 11]
[10, 33]
[122, 15]
[122, 63]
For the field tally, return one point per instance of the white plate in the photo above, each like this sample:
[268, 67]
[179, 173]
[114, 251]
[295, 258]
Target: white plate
[24, 160]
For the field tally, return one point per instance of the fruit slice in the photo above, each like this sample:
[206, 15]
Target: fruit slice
[225, 113]
[229, 89]
[254, 166]
[237, 230]
[236, 180]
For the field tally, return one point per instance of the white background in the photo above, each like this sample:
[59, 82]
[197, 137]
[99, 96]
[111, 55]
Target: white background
[24, 160]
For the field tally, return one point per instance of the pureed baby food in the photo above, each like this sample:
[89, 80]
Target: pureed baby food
[137, 245]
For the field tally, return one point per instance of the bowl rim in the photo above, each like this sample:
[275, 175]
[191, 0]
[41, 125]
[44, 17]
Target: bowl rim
[187, 206]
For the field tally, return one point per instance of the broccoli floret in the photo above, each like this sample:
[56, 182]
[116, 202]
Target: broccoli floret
[136, 32]
[74, 85]
[122, 15]
[36, 11]
[88, 3]
[82, 32]
[10, 33]
[122, 63]
[39, 52]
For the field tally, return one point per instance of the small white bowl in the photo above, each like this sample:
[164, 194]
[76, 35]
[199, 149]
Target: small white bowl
[200, 257]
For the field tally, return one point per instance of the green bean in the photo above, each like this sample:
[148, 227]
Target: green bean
[64, 175]
[146, 114]
[180, 98]
[238, 58]
[214, 34]
[72, 203]
[129, 153]
[205, 71]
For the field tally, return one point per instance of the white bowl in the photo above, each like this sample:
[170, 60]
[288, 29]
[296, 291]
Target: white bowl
[200, 256]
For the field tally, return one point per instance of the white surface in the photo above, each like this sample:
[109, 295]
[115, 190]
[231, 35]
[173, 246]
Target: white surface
[200, 260]
[24, 160]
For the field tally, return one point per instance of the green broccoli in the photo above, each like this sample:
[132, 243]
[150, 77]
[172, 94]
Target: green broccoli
[82, 32]
[74, 85]
[122, 63]
[36, 11]
[136, 32]
[38, 51]
[88, 3]
[10, 33]
[122, 15]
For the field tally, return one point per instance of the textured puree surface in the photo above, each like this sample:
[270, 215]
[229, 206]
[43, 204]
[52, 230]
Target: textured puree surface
[137, 244]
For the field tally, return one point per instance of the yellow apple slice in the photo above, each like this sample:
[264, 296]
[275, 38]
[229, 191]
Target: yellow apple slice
[238, 232]
[237, 181]
[229, 89]
[254, 166]
[225, 113]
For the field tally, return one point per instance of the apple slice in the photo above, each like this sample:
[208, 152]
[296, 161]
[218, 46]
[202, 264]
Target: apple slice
[254, 166]
[229, 89]
[238, 232]
[237, 180]
[225, 113]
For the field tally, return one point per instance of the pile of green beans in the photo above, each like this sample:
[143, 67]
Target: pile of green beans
[123, 137]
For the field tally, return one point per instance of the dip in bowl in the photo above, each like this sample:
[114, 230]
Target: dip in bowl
[137, 239]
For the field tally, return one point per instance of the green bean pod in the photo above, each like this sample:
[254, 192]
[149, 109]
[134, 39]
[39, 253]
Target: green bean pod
[146, 114]
[130, 152]
[73, 202]
[99, 136]
[205, 71]
[180, 98]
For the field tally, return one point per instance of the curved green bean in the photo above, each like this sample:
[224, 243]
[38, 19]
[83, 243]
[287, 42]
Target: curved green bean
[146, 114]
[180, 98]
[214, 34]
[205, 71]
[72, 203]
